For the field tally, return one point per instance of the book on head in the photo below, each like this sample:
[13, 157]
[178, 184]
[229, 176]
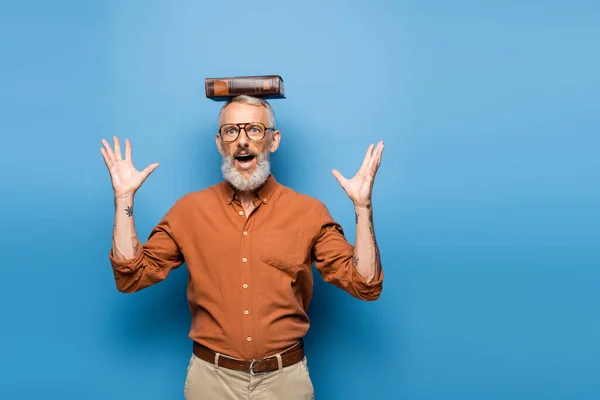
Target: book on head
[265, 86]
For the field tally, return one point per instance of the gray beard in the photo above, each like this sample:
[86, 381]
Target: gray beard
[241, 183]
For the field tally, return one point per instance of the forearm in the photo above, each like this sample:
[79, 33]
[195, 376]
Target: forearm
[125, 241]
[366, 251]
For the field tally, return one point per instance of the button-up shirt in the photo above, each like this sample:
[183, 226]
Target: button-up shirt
[250, 276]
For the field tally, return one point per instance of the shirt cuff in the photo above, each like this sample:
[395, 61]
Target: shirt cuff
[129, 265]
[368, 290]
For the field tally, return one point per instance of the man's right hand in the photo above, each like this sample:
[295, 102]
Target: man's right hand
[126, 180]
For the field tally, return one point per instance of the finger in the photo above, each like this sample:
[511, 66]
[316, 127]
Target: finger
[367, 158]
[376, 153]
[339, 177]
[149, 169]
[109, 152]
[106, 158]
[377, 157]
[380, 154]
[127, 149]
[117, 148]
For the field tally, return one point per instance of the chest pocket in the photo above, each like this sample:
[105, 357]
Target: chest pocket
[283, 248]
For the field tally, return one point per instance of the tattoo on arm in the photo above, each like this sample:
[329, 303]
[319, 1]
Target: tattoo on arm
[372, 231]
[136, 245]
[377, 258]
[129, 211]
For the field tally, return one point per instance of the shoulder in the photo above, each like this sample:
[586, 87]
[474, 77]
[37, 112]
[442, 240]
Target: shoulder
[196, 198]
[308, 213]
[298, 200]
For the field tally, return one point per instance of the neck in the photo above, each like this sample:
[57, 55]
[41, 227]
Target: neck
[245, 196]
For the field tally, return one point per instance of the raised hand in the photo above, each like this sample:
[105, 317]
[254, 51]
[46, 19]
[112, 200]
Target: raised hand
[360, 186]
[126, 180]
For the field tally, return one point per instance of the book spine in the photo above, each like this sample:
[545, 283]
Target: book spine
[257, 86]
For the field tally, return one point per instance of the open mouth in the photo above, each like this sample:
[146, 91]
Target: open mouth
[245, 160]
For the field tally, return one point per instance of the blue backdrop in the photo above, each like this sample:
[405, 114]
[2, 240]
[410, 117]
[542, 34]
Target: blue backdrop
[486, 203]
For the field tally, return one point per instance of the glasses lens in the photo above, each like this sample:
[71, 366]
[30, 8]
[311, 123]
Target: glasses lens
[229, 132]
[255, 131]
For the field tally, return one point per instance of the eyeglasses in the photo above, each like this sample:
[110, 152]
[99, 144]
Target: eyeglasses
[254, 130]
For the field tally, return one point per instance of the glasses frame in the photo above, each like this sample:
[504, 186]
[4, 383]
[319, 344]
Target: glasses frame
[242, 126]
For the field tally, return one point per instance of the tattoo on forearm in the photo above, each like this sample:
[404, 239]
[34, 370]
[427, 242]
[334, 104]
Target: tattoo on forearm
[136, 245]
[129, 211]
[377, 258]
[372, 231]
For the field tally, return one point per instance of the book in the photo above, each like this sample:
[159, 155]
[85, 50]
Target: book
[266, 86]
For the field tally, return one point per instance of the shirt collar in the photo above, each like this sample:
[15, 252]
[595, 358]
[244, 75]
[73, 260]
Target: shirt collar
[263, 193]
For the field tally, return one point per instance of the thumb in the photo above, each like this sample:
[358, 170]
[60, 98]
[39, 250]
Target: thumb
[149, 169]
[339, 177]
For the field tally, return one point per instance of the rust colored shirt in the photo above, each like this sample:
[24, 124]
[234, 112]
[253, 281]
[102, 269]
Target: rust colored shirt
[250, 277]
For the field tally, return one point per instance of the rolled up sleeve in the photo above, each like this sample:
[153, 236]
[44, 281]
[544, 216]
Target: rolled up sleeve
[333, 258]
[155, 258]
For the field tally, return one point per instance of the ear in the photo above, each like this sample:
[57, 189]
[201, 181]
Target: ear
[275, 139]
[219, 144]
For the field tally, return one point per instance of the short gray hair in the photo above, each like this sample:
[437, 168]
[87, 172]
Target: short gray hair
[255, 101]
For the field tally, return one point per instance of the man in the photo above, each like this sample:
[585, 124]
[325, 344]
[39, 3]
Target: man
[249, 243]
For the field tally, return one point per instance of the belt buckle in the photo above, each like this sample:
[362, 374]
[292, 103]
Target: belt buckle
[252, 372]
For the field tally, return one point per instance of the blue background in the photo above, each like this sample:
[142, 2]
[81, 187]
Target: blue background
[486, 203]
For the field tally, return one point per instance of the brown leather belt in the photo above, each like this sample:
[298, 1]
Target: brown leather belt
[254, 367]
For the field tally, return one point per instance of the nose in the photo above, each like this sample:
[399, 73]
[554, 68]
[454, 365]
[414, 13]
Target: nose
[243, 138]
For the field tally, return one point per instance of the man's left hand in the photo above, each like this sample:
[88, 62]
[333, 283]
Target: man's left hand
[359, 188]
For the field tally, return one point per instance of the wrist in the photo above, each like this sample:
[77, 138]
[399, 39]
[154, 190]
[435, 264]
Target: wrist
[362, 206]
[126, 198]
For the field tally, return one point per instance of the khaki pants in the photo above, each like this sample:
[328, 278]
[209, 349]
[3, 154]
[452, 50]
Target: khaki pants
[206, 381]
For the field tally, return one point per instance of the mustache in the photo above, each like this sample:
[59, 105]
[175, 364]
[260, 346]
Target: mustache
[245, 151]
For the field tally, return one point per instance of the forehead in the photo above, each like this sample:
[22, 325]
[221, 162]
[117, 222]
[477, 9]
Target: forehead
[239, 113]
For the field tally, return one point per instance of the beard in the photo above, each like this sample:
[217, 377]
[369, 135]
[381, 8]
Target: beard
[242, 183]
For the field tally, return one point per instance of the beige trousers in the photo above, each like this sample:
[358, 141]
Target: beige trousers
[205, 380]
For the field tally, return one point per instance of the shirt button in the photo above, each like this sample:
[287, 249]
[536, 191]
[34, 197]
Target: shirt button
[249, 339]
[245, 233]
[246, 312]
[244, 259]
[241, 213]
[245, 286]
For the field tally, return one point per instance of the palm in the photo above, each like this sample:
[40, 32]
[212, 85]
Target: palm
[359, 187]
[125, 178]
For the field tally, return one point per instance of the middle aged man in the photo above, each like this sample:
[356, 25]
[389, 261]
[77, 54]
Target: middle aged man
[249, 243]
